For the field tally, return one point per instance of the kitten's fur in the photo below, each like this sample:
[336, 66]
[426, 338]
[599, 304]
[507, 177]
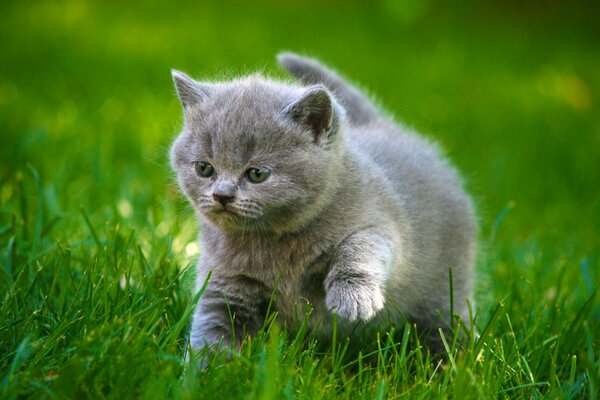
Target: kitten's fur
[359, 217]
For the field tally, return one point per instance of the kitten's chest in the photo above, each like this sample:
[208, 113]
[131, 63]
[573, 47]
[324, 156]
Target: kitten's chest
[291, 266]
[291, 271]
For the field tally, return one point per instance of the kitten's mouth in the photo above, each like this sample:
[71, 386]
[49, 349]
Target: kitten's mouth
[230, 216]
[226, 217]
[226, 211]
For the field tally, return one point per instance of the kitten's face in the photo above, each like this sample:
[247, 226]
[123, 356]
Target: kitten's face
[250, 158]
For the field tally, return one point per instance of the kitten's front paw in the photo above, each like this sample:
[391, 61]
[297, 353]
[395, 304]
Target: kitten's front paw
[352, 301]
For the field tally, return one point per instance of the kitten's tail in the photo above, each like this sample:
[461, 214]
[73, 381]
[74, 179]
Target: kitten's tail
[360, 110]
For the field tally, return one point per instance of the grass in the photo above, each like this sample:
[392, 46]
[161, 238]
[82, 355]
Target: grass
[97, 247]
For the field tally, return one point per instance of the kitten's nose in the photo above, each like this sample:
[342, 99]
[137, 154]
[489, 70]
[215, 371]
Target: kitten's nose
[224, 191]
[223, 198]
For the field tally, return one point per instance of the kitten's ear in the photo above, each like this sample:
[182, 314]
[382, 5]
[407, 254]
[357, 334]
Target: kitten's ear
[189, 91]
[314, 109]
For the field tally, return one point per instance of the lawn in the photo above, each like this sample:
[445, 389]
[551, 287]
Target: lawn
[97, 245]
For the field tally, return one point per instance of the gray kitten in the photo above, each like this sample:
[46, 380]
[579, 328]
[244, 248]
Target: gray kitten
[310, 198]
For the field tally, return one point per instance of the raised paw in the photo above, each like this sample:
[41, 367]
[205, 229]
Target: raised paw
[352, 301]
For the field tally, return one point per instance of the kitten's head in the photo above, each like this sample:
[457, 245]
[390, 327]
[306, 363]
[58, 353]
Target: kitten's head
[255, 154]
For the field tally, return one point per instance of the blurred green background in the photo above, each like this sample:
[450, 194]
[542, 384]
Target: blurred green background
[510, 89]
[95, 240]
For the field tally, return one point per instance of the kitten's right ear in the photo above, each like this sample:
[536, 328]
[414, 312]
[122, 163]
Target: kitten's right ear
[313, 109]
[189, 91]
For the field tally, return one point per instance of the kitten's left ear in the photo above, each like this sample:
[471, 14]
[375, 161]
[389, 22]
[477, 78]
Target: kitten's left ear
[314, 109]
[189, 91]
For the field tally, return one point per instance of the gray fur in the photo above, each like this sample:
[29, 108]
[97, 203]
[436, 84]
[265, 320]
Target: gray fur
[359, 216]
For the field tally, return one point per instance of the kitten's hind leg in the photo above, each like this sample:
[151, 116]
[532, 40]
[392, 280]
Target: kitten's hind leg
[356, 280]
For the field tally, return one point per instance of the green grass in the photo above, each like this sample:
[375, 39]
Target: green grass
[97, 246]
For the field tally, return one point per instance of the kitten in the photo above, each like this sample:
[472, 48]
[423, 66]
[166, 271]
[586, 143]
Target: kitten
[308, 196]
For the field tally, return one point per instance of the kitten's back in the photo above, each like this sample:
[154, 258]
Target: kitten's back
[429, 190]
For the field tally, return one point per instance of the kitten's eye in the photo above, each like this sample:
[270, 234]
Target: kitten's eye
[204, 169]
[258, 175]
